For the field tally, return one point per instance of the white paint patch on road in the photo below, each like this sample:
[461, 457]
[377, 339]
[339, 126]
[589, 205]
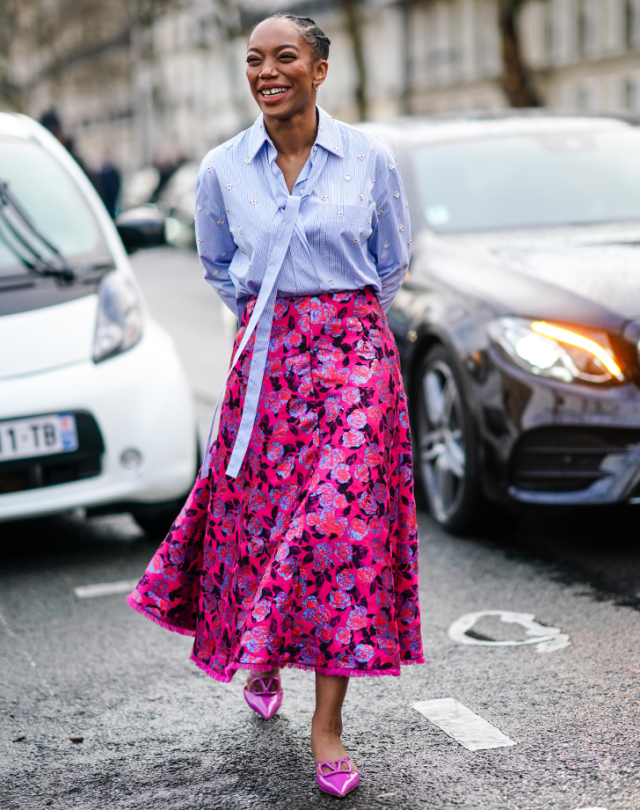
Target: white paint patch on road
[546, 639]
[466, 727]
[105, 589]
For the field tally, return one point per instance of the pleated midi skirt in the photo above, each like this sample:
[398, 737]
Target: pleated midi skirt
[309, 557]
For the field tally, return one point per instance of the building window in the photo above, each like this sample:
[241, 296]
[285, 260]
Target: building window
[583, 97]
[630, 93]
[548, 31]
[583, 28]
[629, 22]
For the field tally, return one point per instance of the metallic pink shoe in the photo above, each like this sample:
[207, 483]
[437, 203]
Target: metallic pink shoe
[337, 781]
[265, 701]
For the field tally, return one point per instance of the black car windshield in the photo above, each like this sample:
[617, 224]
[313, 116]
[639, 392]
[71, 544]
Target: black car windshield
[529, 181]
[50, 198]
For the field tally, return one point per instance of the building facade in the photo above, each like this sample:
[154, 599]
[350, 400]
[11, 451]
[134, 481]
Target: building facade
[174, 88]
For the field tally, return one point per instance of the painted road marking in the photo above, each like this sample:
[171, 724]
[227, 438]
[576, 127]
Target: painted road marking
[462, 724]
[546, 639]
[105, 589]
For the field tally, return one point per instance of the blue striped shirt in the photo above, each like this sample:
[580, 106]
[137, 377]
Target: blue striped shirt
[345, 226]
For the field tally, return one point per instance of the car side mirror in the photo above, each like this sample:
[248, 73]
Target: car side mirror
[141, 227]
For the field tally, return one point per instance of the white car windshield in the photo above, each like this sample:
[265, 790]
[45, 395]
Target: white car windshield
[542, 180]
[48, 196]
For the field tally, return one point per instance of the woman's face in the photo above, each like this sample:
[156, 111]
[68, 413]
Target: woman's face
[281, 69]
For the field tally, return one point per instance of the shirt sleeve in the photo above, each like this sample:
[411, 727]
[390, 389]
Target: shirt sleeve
[390, 242]
[213, 237]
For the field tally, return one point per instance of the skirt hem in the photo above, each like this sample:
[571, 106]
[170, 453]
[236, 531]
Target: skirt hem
[226, 678]
[174, 628]
[345, 673]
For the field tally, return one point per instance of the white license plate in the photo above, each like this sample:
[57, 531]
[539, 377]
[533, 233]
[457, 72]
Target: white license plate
[38, 436]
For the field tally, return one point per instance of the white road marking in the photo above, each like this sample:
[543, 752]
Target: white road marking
[105, 589]
[466, 727]
[546, 639]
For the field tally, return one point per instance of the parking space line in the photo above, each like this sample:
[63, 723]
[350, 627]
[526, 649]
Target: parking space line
[466, 727]
[105, 589]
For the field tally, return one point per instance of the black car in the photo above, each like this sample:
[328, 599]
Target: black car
[519, 324]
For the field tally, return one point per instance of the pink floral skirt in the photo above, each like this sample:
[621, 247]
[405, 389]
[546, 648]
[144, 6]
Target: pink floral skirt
[309, 558]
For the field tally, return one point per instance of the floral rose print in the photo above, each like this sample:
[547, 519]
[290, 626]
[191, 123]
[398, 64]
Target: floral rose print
[309, 557]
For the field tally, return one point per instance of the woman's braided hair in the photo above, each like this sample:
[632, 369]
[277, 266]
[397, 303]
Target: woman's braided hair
[309, 31]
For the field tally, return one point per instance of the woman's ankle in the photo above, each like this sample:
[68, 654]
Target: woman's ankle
[269, 673]
[265, 678]
[324, 727]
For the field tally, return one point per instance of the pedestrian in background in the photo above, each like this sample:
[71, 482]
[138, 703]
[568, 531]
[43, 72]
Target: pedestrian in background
[108, 184]
[51, 121]
[298, 544]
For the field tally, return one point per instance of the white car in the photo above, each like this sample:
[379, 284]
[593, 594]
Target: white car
[95, 408]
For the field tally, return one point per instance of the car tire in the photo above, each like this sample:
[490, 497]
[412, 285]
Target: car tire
[157, 518]
[447, 465]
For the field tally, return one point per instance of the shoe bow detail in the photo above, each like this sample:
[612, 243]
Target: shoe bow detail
[337, 781]
[264, 701]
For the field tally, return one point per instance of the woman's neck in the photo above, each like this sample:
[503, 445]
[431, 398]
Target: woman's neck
[295, 135]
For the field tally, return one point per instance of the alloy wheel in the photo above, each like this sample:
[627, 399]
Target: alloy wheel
[443, 457]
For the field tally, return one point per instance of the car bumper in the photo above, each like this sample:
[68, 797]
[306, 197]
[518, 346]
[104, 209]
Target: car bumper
[545, 442]
[140, 400]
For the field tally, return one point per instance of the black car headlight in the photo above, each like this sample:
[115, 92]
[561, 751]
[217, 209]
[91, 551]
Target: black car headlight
[550, 350]
[120, 320]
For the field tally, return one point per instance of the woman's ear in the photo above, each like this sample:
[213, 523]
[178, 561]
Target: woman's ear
[319, 73]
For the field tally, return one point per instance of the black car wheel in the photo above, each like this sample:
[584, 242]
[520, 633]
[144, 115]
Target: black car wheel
[446, 453]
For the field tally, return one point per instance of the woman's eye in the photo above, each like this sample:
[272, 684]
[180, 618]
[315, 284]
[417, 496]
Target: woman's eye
[287, 56]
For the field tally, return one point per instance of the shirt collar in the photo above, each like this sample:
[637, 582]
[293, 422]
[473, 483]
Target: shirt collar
[329, 136]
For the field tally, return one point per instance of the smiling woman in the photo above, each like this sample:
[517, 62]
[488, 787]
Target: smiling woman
[298, 545]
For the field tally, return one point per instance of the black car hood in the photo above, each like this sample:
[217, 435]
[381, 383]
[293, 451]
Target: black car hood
[579, 275]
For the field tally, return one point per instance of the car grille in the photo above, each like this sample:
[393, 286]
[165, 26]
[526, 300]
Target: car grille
[566, 459]
[61, 468]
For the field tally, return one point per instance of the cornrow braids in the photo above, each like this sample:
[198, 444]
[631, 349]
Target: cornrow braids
[309, 31]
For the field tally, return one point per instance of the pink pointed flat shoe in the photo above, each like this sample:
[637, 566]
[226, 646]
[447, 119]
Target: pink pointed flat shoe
[337, 781]
[263, 700]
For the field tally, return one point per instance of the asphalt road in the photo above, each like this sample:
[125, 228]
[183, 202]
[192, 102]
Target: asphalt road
[157, 732]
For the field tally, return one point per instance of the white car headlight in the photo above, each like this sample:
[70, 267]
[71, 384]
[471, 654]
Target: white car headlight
[120, 320]
[553, 351]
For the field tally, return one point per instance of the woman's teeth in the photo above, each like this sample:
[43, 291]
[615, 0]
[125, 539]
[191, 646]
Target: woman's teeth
[275, 91]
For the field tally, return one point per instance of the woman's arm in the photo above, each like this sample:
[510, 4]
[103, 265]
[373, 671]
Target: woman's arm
[390, 242]
[215, 243]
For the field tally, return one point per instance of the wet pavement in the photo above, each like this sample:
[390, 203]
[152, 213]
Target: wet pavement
[158, 732]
